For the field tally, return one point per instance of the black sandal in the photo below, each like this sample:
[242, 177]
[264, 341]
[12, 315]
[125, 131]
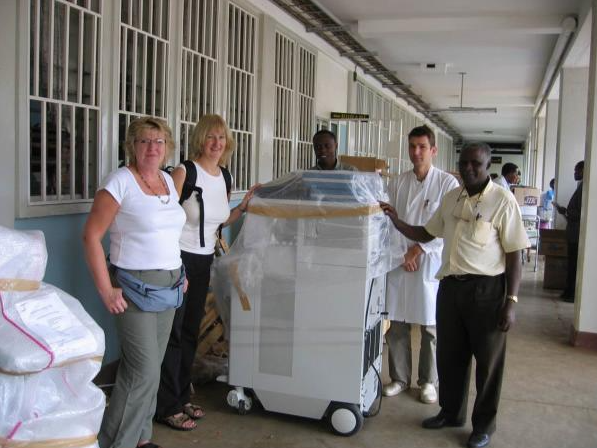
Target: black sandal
[176, 422]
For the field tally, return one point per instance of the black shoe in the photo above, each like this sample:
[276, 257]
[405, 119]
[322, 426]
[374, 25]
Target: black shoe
[569, 299]
[478, 440]
[439, 421]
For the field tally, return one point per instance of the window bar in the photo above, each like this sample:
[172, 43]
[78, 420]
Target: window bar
[66, 49]
[72, 152]
[51, 53]
[191, 86]
[80, 59]
[187, 24]
[153, 77]
[36, 47]
[123, 58]
[231, 101]
[94, 61]
[150, 21]
[238, 41]
[245, 101]
[246, 47]
[85, 186]
[214, 70]
[58, 175]
[144, 74]
[164, 80]
[133, 107]
[207, 88]
[183, 87]
[159, 16]
[140, 19]
[200, 45]
[44, 145]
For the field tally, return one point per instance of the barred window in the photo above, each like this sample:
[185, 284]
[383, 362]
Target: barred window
[64, 100]
[240, 93]
[283, 113]
[144, 52]
[199, 66]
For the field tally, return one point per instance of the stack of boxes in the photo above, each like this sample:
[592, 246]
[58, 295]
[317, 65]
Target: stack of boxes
[50, 352]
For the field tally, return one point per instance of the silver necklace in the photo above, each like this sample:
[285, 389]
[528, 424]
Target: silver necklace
[154, 193]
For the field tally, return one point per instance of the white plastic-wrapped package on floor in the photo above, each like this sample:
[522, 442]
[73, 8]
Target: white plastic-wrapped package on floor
[23, 258]
[45, 328]
[56, 407]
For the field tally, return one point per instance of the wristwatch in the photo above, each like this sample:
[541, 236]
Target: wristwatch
[513, 298]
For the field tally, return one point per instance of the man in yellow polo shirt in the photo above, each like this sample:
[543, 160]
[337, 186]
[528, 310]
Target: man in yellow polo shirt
[479, 277]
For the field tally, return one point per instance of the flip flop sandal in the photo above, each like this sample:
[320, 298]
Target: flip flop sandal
[177, 422]
[149, 445]
[192, 409]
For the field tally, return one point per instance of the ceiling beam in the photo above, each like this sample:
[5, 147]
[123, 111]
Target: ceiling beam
[520, 24]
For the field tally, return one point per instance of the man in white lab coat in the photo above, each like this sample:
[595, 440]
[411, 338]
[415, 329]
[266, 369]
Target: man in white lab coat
[412, 287]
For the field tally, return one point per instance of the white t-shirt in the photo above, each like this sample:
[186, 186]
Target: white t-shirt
[145, 233]
[216, 210]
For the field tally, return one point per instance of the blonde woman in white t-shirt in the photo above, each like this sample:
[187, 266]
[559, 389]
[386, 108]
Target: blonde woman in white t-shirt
[138, 204]
[212, 144]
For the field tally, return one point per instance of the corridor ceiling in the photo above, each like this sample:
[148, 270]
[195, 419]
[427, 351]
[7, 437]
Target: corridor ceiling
[503, 46]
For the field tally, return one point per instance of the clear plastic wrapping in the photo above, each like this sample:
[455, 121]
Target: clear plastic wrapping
[59, 404]
[23, 258]
[318, 223]
[50, 351]
[44, 328]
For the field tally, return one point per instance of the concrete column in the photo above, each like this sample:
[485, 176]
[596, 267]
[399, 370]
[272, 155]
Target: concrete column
[572, 126]
[265, 154]
[551, 142]
[537, 175]
[8, 124]
[585, 321]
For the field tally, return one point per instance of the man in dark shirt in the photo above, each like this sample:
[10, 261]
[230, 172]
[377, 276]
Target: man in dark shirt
[572, 214]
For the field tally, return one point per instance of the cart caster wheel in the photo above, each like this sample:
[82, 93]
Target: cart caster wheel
[345, 419]
[241, 407]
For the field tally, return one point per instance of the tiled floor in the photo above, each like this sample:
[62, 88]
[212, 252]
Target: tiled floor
[549, 398]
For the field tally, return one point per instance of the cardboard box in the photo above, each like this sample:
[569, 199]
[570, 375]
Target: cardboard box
[553, 243]
[527, 196]
[370, 164]
[554, 276]
[528, 210]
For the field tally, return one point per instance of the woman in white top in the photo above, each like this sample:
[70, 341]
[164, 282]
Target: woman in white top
[212, 144]
[138, 204]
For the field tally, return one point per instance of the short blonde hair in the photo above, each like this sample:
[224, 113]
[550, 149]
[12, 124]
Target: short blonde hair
[207, 124]
[140, 124]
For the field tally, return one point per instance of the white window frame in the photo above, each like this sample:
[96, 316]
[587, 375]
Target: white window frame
[26, 207]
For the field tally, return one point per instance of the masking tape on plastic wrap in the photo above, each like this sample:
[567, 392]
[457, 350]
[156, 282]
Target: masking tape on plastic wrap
[62, 364]
[242, 295]
[75, 442]
[312, 211]
[17, 284]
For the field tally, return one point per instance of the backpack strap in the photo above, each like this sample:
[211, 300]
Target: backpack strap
[189, 181]
[227, 178]
[187, 190]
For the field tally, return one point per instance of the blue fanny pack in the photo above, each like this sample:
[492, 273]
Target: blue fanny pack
[150, 297]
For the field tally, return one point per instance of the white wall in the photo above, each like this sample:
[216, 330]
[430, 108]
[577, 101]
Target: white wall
[551, 141]
[571, 132]
[332, 86]
[586, 282]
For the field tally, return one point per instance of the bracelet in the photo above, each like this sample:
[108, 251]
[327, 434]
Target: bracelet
[242, 210]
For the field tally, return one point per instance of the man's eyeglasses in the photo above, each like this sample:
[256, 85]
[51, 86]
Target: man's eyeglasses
[149, 141]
